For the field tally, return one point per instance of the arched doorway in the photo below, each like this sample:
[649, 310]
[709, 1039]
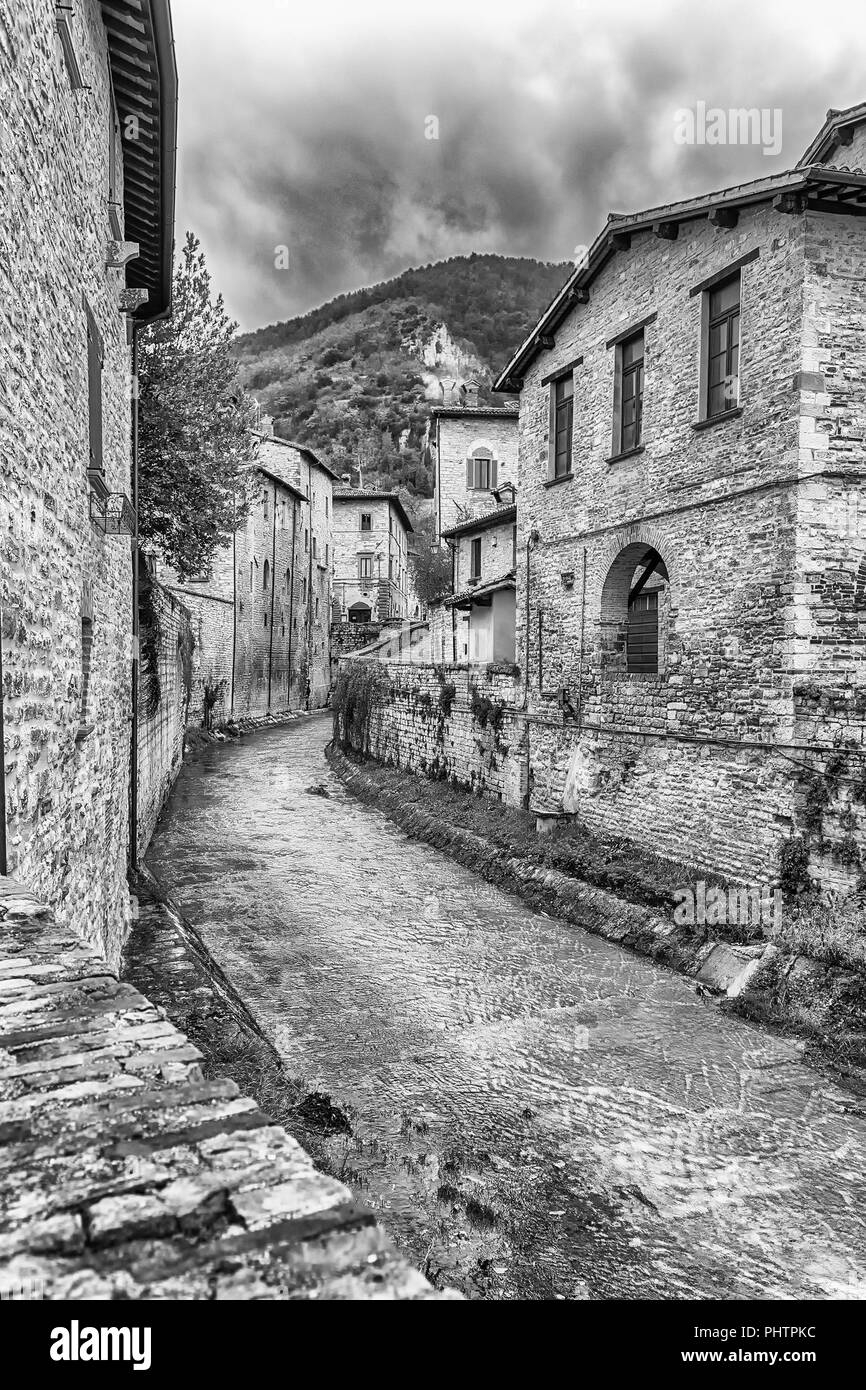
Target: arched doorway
[633, 607]
[360, 613]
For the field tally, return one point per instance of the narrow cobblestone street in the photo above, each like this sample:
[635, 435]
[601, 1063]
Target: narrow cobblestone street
[534, 1112]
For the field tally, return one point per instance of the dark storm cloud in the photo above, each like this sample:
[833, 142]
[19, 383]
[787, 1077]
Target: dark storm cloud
[308, 131]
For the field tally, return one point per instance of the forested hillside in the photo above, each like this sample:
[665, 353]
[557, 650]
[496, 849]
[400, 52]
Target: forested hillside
[356, 377]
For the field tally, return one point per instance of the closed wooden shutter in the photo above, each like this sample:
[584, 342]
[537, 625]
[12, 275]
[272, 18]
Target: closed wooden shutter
[470, 472]
[94, 391]
[642, 647]
[494, 473]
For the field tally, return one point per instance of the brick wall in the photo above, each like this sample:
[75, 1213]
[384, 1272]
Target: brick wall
[67, 785]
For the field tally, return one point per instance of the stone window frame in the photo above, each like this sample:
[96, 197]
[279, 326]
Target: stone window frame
[366, 521]
[704, 288]
[364, 559]
[618, 343]
[475, 574]
[477, 478]
[95, 369]
[85, 725]
[551, 381]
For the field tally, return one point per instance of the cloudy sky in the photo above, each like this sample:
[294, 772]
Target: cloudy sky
[305, 126]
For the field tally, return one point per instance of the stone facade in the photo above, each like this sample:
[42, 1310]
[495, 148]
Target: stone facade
[65, 360]
[454, 722]
[371, 558]
[483, 585]
[726, 748]
[751, 515]
[460, 434]
[261, 616]
[165, 693]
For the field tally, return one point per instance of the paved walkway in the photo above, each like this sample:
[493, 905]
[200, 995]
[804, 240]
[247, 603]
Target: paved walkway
[124, 1174]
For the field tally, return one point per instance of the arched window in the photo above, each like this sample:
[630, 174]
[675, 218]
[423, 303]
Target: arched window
[266, 575]
[633, 607]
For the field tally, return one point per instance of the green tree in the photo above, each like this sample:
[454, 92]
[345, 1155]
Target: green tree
[194, 422]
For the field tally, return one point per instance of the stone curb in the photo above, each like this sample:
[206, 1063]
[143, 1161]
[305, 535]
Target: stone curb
[825, 1004]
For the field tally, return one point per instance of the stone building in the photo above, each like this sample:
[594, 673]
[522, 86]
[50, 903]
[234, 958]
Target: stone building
[482, 603]
[691, 545]
[474, 452]
[371, 556]
[86, 228]
[261, 614]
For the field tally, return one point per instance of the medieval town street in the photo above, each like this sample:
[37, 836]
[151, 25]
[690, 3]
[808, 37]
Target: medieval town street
[535, 1112]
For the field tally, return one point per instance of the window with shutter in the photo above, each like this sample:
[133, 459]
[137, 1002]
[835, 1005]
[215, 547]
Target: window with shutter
[86, 647]
[95, 357]
[480, 472]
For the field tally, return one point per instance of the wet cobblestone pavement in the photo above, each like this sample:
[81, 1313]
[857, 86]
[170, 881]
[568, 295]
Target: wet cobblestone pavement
[534, 1112]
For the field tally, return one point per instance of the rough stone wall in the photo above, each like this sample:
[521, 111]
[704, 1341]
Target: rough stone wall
[210, 604]
[457, 437]
[272, 608]
[715, 503]
[851, 156]
[66, 788]
[460, 723]
[310, 661]
[161, 729]
[690, 760]
[829, 601]
[497, 555]
[387, 592]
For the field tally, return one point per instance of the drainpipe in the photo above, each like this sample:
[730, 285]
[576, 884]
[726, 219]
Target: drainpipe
[3, 865]
[133, 739]
[309, 599]
[234, 600]
[580, 656]
[530, 541]
[273, 591]
[292, 571]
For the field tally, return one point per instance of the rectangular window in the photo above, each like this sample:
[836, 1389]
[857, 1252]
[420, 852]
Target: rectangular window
[114, 204]
[630, 373]
[95, 359]
[481, 470]
[366, 521]
[86, 648]
[561, 425]
[306, 539]
[365, 567]
[475, 562]
[314, 547]
[723, 346]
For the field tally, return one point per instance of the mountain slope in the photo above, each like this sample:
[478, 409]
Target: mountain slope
[356, 377]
